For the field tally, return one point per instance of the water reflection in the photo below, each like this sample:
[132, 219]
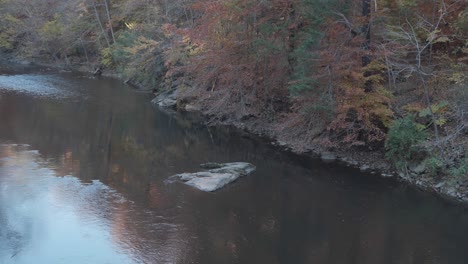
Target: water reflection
[37, 85]
[101, 165]
[49, 219]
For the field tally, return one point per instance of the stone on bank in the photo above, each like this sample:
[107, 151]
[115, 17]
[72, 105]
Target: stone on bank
[166, 99]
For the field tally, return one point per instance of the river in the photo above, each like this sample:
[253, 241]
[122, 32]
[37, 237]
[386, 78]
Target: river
[83, 164]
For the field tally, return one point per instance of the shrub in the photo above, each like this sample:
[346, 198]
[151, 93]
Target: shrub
[460, 171]
[403, 141]
[434, 164]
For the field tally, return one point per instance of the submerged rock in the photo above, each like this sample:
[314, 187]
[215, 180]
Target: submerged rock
[217, 176]
[328, 157]
[387, 175]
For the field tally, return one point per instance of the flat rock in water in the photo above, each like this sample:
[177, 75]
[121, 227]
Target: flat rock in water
[217, 176]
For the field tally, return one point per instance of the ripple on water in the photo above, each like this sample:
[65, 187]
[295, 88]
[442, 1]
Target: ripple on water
[37, 85]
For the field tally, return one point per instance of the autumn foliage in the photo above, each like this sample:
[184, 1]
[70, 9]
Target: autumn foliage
[317, 70]
[237, 56]
[336, 73]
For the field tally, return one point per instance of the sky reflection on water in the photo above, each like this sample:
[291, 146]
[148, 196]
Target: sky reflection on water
[50, 219]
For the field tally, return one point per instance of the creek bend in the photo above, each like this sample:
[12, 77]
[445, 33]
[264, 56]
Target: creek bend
[83, 164]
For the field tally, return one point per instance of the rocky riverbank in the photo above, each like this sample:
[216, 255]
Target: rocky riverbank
[373, 162]
[367, 161]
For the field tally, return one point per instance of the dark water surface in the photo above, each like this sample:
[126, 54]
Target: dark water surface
[82, 169]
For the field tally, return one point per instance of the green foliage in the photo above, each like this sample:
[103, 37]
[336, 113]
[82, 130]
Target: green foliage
[106, 57]
[307, 39]
[51, 30]
[461, 170]
[461, 24]
[436, 109]
[319, 114]
[301, 85]
[8, 27]
[146, 64]
[263, 47]
[407, 3]
[135, 57]
[434, 164]
[117, 55]
[454, 168]
[403, 141]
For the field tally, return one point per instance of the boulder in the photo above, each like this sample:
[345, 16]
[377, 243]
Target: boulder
[166, 99]
[216, 177]
[418, 169]
[452, 191]
[97, 71]
[364, 167]
[192, 108]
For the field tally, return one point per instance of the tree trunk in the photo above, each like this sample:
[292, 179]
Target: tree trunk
[110, 21]
[100, 24]
[366, 11]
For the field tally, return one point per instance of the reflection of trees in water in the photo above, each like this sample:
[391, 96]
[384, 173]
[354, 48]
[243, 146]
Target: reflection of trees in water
[141, 233]
[277, 215]
[101, 137]
[327, 223]
[154, 237]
